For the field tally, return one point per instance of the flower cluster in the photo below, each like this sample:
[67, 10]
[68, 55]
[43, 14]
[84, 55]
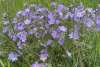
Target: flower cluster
[39, 22]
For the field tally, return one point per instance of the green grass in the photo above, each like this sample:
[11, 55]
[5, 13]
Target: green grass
[90, 44]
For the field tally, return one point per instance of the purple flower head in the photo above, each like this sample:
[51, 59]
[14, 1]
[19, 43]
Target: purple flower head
[66, 16]
[79, 11]
[22, 36]
[30, 32]
[19, 26]
[43, 55]
[49, 42]
[34, 17]
[47, 26]
[12, 56]
[62, 28]
[42, 10]
[14, 20]
[50, 15]
[26, 12]
[13, 37]
[76, 19]
[90, 10]
[55, 34]
[80, 7]
[51, 19]
[61, 41]
[71, 15]
[98, 20]
[98, 23]
[53, 4]
[97, 27]
[5, 29]
[80, 14]
[60, 8]
[36, 65]
[57, 21]
[27, 21]
[74, 35]
[88, 22]
[20, 44]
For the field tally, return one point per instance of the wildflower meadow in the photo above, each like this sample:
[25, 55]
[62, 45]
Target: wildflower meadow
[49, 33]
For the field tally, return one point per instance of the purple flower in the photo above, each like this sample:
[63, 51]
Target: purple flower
[14, 38]
[5, 29]
[27, 21]
[20, 44]
[30, 32]
[97, 27]
[60, 8]
[71, 15]
[26, 12]
[79, 11]
[66, 16]
[76, 19]
[49, 42]
[43, 55]
[12, 56]
[19, 26]
[74, 35]
[14, 20]
[98, 20]
[79, 14]
[98, 23]
[42, 10]
[51, 19]
[22, 36]
[88, 22]
[61, 41]
[47, 26]
[90, 10]
[53, 4]
[57, 21]
[50, 15]
[36, 65]
[55, 34]
[35, 17]
[62, 28]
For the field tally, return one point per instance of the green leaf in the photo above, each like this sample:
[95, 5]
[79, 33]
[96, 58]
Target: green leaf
[2, 64]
